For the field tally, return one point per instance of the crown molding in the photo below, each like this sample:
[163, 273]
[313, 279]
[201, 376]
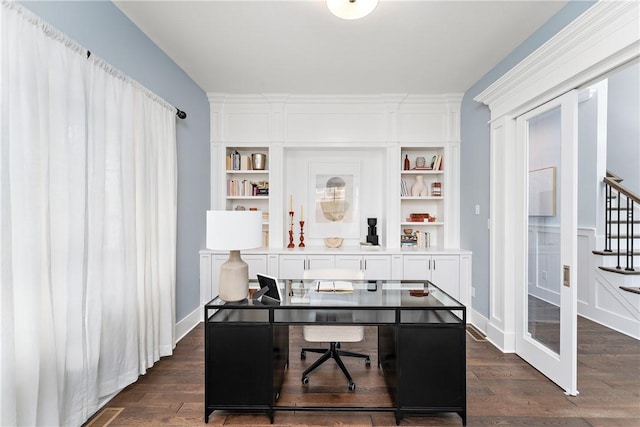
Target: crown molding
[383, 98]
[605, 36]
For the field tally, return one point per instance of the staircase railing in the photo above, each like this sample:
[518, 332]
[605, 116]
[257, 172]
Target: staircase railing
[626, 201]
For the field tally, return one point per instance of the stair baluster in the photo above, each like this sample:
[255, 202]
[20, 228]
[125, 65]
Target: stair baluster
[630, 234]
[626, 200]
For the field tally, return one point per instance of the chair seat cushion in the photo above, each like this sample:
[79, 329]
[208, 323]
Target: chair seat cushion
[333, 333]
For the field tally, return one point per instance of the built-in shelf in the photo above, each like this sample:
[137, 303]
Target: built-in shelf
[367, 139]
[422, 172]
[247, 197]
[248, 172]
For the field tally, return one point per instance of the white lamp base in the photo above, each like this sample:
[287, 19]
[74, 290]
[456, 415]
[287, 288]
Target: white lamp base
[234, 278]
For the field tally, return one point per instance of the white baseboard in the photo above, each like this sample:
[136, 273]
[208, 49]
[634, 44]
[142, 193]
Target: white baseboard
[505, 342]
[184, 326]
[478, 320]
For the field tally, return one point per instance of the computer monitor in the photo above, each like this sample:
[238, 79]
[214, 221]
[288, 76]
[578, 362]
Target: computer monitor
[271, 283]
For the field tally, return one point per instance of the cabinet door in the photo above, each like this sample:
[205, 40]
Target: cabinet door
[315, 262]
[257, 264]
[216, 262]
[205, 278]
[416, 267]
[291, 266]
[445, 273]
[377, 267]
[349, 262]
[396, 267]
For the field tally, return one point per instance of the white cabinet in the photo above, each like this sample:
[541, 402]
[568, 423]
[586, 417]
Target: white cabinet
[442, 270]
[210, 275]
[292, 266]
[257, 264]
[374, 266]
[449, 271]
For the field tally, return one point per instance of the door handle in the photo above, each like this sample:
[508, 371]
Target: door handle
[566, 276]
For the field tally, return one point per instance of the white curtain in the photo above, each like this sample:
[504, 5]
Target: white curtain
[88, 182]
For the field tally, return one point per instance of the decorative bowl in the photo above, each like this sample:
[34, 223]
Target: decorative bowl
[408, 231]
[333, 242]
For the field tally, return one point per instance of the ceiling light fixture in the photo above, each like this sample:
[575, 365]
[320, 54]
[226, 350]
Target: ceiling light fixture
[351, 9]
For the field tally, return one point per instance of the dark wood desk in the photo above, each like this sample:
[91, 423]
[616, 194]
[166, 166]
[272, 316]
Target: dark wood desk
[421, 346]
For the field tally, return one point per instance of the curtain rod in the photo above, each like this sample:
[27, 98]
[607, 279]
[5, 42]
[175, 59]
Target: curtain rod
[181, 114]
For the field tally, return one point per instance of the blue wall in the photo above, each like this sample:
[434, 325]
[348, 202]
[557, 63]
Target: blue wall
[475, 150]
[103, 29]
[623, 126]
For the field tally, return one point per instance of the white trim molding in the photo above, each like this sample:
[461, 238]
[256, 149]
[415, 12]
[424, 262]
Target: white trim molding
[603, 38]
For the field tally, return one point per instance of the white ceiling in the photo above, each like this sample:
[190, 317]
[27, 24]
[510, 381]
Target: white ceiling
[299, 47]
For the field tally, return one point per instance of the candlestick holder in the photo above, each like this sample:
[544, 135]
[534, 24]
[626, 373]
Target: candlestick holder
[301, 245]
[291, 244]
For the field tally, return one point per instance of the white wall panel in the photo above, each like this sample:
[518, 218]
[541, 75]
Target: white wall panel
[247, 127]
[334, 126]
[429, 127]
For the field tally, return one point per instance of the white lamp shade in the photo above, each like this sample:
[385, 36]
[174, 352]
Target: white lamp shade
[234, 230]
[351, 9]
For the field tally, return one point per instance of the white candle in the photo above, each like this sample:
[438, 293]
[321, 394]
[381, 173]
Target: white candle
[301, 212]
[290, 203]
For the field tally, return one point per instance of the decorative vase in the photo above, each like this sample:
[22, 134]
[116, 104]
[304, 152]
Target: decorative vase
[419, 188]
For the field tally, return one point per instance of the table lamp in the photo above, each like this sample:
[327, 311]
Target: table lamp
[234, 231]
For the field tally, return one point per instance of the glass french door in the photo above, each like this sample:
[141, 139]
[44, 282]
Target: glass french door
[546, 319]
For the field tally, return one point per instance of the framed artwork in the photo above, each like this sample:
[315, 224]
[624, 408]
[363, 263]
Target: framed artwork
[334, 200]
[542, 192]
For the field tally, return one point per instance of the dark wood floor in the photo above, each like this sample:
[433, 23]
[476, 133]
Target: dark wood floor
[501, 388]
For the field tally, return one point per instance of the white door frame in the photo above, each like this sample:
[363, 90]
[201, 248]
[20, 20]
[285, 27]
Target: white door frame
[604, 37]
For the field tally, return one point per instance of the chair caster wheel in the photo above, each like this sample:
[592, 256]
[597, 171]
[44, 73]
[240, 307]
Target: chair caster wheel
[352, 386]
[303, 355]
[367, 362]
[305, 380]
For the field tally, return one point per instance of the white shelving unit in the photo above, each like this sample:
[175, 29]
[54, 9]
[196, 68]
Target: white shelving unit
[371, 133]
[302, 134]
[241, 183]
[430, 203]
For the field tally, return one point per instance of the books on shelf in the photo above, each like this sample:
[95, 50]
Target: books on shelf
[436, 162]
[417, 239]
[241, 188]
[334, 286]
[245, 163]
[404, 190]
[239, 162]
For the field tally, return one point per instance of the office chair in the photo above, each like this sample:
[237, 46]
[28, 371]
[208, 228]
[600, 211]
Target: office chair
[333, 334]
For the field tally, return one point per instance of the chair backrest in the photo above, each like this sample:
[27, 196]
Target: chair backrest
[334, 273]
[328, 333]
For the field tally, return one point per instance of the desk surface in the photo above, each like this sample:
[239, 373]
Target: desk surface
[381, 294]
